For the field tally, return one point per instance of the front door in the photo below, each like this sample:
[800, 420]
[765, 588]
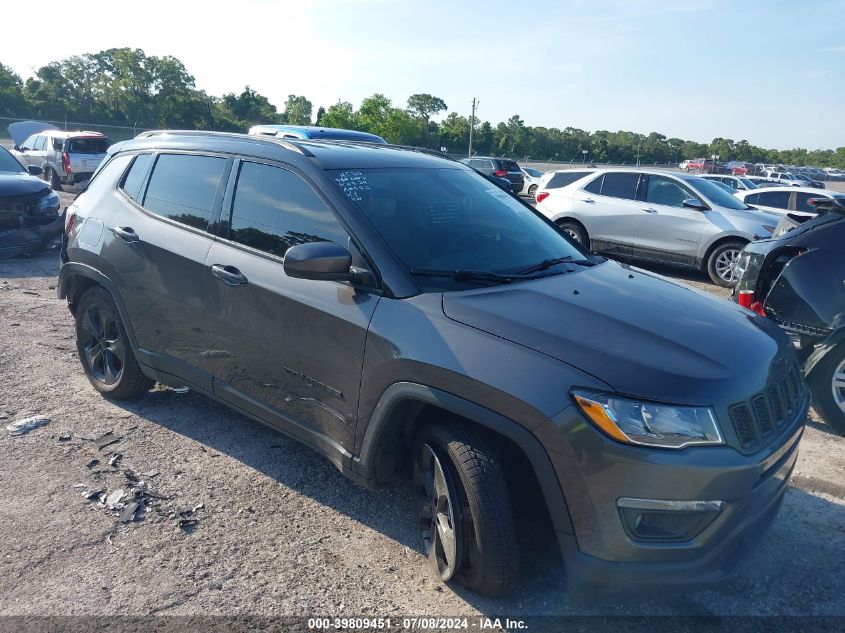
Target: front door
[667, 230]
[288, 350]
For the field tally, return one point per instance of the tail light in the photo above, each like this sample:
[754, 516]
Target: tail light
[66, 162]
[501, 172]
[542, 196]
[70, 220]
[746, 300]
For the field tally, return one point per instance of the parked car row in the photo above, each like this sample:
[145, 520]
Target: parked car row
[426, 325]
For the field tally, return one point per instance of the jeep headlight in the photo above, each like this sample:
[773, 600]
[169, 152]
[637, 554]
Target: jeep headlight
[649, 423]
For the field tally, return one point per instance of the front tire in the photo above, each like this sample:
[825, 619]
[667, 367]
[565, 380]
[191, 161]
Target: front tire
[104, 349]
[532, 191]
[827, 383]
[721, 265]
[467, 520]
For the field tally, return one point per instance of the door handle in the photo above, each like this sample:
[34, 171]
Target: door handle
[589, 201]
[229, 274]
[649, 210]
[126, 233]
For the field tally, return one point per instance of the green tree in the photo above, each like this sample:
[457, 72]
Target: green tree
[340, 115]
[12, 102]
[320, 114]
[298, 110]
[425, 105]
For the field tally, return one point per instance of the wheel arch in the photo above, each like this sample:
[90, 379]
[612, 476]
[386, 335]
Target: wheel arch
[405, 407]
[724, 239]
[830, 343]
[75, 278]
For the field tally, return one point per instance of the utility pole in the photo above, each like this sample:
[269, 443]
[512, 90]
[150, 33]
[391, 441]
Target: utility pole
[471, 125]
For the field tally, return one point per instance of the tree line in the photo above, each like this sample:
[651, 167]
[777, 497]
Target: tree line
[123, 86]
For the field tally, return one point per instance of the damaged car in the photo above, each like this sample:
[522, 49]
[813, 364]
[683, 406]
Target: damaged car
[30, 216]
[798, 280]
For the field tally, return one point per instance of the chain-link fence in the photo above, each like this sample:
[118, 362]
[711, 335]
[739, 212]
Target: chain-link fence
[114, 132]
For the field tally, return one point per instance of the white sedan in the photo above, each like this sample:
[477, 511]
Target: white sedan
[532, 179]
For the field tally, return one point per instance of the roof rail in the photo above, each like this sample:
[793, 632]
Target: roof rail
[419, 150]
[286, 143]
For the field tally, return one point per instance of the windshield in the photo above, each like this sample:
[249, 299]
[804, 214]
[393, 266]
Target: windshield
[9, 163]
[715, 194]
[452, 219]
[748, 183]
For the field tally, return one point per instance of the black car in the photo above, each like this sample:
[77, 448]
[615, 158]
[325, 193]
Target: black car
[498, 168]
[797, 280]
[406, 318]
[29, 209]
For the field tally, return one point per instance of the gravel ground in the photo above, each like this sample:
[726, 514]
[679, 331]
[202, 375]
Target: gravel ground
[279, 530]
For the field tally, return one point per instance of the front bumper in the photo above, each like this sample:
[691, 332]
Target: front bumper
[27, 240]
[595, 472]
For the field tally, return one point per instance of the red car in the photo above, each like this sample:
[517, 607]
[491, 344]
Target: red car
[738, 168]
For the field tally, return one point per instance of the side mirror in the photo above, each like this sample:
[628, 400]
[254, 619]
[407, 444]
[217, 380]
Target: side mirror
[323, 261]
[694, 203]
[16, 148]
[34, 170]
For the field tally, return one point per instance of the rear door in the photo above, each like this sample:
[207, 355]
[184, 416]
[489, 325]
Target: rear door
[775, 201]
[38, 155]
[158, 243]
[667, 230]
[607, 207]
[288, 350]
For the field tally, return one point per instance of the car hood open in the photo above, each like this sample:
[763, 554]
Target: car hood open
[24, 129]
[638, 332]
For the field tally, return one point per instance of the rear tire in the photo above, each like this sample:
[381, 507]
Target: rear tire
[104, 348]
[53, 178]
[827, 383]
[721, 264]
[575, 231]
[468, 522]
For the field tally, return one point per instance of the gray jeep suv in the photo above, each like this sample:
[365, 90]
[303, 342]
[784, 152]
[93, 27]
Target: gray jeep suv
[406, 318]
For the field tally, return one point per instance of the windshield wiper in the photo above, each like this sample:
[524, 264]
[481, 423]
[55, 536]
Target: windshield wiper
[467, 275]
[548, 263]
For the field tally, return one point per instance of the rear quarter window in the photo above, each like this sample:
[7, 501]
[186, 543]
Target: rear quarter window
[58, 143]
[134, 178]
[562, 179]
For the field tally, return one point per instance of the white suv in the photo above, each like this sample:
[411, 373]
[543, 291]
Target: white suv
[654, 215]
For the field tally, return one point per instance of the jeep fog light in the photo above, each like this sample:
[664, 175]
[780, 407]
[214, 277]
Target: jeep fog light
[665, 520]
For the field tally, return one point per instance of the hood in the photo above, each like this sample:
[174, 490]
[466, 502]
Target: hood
[20, 185]
[644, 335]
[24, 129]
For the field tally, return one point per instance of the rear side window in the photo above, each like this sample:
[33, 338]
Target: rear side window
[57, 144]
[88, 145]
[135, 178]
[776, 199]
[183, 187]
[561, 179]
[752, 199]
[275, 209]
[620, 186]
[40, 141]
[594, 186]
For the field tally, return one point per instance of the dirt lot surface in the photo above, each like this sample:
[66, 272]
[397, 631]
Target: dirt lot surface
[278, 530]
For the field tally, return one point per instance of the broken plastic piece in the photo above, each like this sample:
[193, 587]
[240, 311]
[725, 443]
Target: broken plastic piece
[19, 427]
[114, 498]
[92, 463]
[128, 512]
[116, 457]
[93, 495]
[106, 440]
[65, 437]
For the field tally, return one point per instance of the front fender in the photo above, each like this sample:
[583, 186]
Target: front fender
[827, 345]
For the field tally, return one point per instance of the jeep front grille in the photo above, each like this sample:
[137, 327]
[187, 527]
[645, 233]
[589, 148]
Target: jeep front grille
[754, 420]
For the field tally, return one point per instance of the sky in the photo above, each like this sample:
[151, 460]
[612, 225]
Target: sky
[768, 71]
